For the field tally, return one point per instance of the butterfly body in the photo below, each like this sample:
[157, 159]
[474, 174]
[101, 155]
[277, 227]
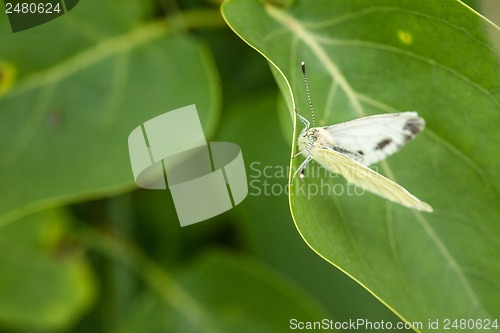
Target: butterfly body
[316, 139]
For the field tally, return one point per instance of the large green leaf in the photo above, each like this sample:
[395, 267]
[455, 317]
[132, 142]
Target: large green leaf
[84, 82]
[366, 57]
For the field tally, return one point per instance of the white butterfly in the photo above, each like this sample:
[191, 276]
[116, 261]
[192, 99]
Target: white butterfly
[349, 148]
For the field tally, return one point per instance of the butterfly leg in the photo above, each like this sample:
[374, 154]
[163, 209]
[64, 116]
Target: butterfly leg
[302, 166]
[300, 152]
[302, 173]
[303, 120]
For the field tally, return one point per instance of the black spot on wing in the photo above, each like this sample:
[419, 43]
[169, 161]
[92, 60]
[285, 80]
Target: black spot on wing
[360, 152]
[414, 126]
[382, 144]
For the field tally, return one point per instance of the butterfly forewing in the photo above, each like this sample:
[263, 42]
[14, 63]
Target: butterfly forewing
[371, 139]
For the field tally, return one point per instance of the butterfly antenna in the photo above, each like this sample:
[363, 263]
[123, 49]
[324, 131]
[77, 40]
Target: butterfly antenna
[303, 65]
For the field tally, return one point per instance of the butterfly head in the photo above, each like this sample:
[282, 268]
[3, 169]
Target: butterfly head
[308, 139]
[311, 135]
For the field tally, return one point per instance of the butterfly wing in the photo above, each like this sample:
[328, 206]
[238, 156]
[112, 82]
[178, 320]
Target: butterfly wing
[360, 175]
[371, 139]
